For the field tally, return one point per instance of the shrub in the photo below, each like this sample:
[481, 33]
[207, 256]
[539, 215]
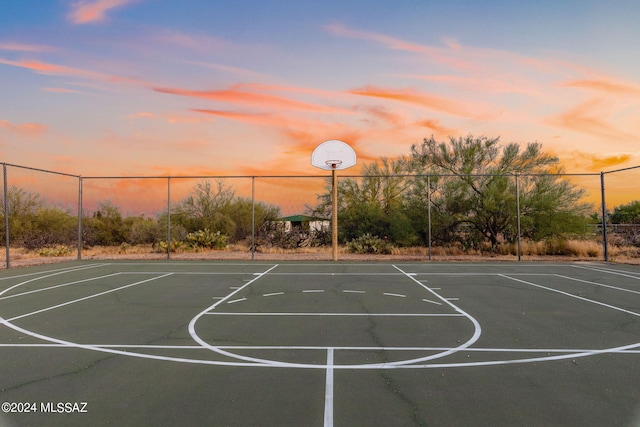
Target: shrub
[56, 251]
[173, 246]
[207, 239]
[368, 244]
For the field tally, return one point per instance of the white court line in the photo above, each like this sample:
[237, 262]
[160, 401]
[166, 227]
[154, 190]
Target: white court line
[86, 298]
[258, 275]
[324, 348]
[312, 291]
[347, 291]
[328, 393]
[220, 313]
[613, 307]
[273, 294]
[629, 274]
[112, 350]
[389, 294]
[599, 284]
[56, 273]
[236, 300]
[477, 329]
[432, 302]
[59, 286]
[335, 274]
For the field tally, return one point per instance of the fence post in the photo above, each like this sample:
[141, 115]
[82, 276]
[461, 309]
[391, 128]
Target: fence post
[168, 217]
[518, 213]
[79, 218]
[429, 214]
[253, 217]
[6, 215]
[605, 244]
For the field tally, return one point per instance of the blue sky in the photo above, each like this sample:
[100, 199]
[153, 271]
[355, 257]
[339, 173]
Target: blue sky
[204, 87]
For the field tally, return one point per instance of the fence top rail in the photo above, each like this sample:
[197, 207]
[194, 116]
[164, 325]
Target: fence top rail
[623, 169]
[406, 175]
[41, 170]
[201, 176]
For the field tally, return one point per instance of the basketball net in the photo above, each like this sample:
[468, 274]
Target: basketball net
[333, 163]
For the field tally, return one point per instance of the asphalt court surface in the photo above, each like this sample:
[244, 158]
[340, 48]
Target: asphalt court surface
[320, 344]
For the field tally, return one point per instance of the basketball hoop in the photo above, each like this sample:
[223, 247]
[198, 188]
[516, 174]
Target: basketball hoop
[333, 155]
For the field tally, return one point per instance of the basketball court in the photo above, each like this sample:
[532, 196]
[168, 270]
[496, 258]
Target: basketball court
[320, 344]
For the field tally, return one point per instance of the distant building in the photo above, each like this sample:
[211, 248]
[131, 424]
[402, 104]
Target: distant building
[305, 223]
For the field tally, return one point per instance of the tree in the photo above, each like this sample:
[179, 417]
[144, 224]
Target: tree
[373, 205]
[106, 227]
[217, 208]
[626, 214]
[22, 208]
[34, 225]
[472, 182]
[203, 208]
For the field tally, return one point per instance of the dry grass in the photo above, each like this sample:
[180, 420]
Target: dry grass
[562, 250]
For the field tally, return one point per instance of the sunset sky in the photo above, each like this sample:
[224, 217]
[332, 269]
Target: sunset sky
[165, 87]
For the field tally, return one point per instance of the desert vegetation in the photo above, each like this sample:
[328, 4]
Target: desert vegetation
[466, 196]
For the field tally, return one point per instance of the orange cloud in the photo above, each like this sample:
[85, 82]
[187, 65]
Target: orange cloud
[608, 87]
[435, 126]
[588, 117]
[237, 95]
[598, 163]
[29, 129]
[84, 12]
[301, 136]
[259, 119]
[413, 96]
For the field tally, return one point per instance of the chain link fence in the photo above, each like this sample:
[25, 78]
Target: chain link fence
[49, 215]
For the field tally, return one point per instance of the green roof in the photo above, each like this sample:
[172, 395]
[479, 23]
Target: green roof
[301, 218]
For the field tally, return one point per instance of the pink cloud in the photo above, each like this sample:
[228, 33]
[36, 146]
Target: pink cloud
[62, 70]
[388, 41]
[141, 115]
[22, 47]
[86, 11]
[28, 129]
[58, 90]
[440, 55]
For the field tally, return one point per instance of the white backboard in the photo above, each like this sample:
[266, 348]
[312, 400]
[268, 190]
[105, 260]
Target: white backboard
[333, 155]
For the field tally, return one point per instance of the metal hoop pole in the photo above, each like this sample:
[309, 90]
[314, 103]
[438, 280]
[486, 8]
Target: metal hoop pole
[168, 217]
[334, 233]
[6, 216]
[429, 213]
[518, 215]
[604, 219]
[253, 217]
[79, 218]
